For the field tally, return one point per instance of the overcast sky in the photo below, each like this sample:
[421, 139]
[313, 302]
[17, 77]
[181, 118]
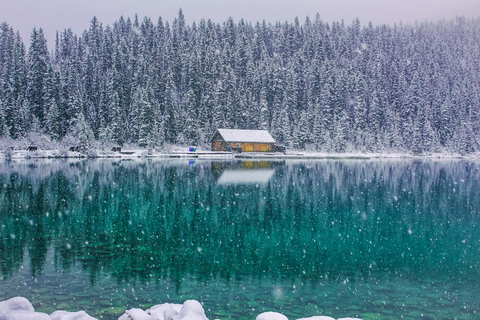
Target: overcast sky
[53, 15]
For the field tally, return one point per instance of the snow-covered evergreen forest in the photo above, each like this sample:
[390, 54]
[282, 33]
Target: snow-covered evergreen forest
[337, 87]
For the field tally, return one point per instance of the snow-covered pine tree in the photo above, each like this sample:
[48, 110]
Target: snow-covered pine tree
[118, 120]
[146, 119]
[38, 64]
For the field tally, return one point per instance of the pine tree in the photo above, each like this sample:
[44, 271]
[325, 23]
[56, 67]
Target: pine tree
[51, 98]
[284, 131]
[159, 132]
[264, 111]
[171, 110]
[339, 140]
[147, 120]
[82, 131]
[431, 141]
[446, 129]
[318, 130]
[191, 126]
[301, 132]
[52, 122]
[218, 114]
[376, 120]
[3, 123]
[38, 64]
[117, 124]
[7, 99]
[23, 120]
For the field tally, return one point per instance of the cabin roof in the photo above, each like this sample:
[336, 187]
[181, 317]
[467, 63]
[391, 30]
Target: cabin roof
[236, 135]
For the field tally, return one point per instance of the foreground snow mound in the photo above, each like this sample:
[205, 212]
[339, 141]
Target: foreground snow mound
[136, 314]
[19, 308]
[24, 315]
[65, 315]
[190, 310]
[279, 316]
[271, 316]
[159, 310]
[15, 304]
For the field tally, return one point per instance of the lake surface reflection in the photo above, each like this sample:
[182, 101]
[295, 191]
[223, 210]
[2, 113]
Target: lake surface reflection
[376, 239]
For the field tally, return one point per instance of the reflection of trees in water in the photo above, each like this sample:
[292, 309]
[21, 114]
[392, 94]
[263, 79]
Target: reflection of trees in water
[143, 220]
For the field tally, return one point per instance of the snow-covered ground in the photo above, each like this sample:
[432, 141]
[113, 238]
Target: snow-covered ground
[47, 148]
[128, 152]
[20, 308]
[19, 151]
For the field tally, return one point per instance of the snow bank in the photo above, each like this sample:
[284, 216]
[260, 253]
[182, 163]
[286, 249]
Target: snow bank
[24, 315]
[190, 310]
[193, 310]
[158, 310]
[16, 304]
[279, 316]
[65, 315]
[19, 308]
[271, 316]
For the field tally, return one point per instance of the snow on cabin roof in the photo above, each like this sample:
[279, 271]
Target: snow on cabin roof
[235, 135]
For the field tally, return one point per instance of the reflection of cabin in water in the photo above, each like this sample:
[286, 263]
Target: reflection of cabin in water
[238, 177]
[242, 140]
[243, 172]
[219, 166]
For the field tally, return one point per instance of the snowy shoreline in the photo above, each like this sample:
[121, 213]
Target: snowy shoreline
[19, 308]
[182, 152]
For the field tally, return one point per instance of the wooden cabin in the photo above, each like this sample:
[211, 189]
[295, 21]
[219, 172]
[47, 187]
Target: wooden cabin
[242, 140]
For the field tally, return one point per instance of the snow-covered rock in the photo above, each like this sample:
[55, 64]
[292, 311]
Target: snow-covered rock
[170, 314]
[317, 318]
[158, 310]
[136, 314]
[16, 304]
[271, 316]
[20, 308]
[190, 310]
[24, 315]
[66, 315]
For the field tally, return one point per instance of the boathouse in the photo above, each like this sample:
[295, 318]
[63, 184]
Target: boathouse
[242, 140]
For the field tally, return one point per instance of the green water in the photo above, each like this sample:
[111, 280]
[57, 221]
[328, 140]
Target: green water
[375, 239]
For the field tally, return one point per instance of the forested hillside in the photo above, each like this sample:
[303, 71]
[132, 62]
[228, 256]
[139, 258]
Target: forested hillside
[338, 87]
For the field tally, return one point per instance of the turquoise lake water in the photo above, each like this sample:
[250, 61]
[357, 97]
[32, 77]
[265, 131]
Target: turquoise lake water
[374, 239]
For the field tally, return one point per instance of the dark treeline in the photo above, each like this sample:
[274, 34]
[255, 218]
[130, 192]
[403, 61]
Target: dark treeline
[408, 88]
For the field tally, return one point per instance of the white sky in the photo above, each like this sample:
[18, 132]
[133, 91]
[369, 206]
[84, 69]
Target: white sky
[53, 15]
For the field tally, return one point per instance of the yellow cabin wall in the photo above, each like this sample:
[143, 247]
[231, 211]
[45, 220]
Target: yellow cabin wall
[252, 147]
[246, 147]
